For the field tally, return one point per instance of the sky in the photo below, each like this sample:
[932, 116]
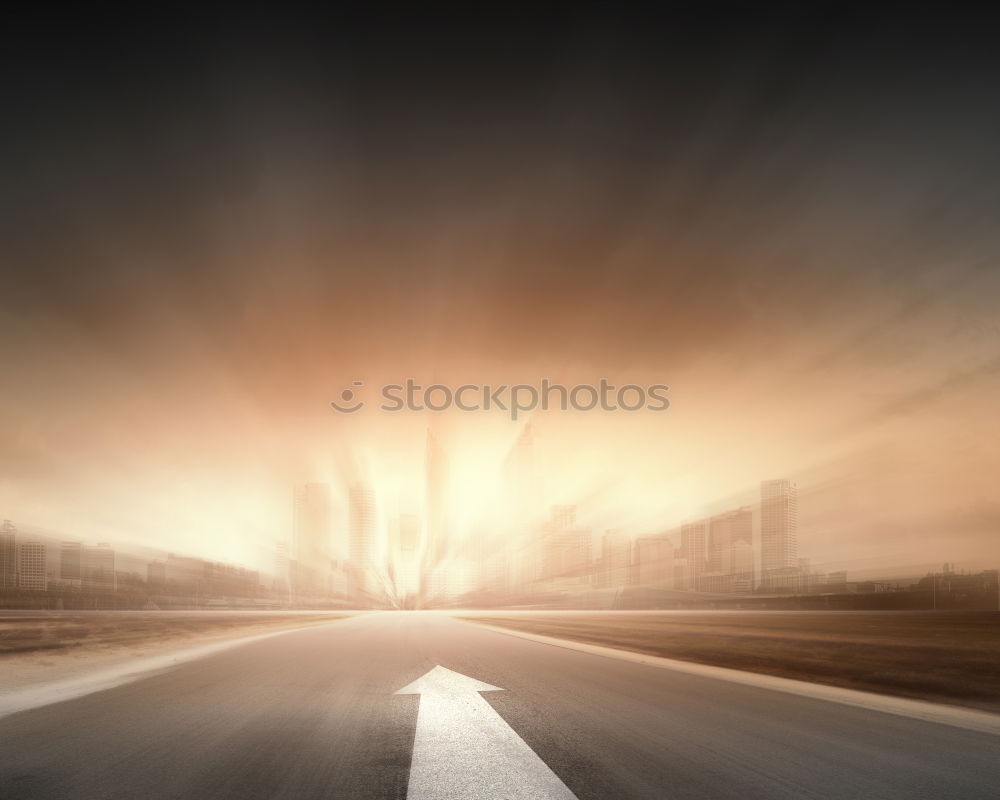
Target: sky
[213, 224]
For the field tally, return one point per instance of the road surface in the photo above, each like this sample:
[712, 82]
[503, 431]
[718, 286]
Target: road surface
[335, 712]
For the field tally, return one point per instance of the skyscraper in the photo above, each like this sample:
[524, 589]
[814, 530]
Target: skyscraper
[31, 566]
[694, 546]
[738, 566]
[282, 568]
[727, 543]
[719, 538]
[562, 516]
[779, 546]
[738, 560]
[71, 562]
[741, 526]
[522, 507]
[362, 527]
[8, 556]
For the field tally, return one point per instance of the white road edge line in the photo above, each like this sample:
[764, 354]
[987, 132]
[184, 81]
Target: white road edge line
[44, 694]
[967, 718]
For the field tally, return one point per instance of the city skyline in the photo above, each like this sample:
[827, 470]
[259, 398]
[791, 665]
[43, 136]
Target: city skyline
[344, 541]
[699, 564]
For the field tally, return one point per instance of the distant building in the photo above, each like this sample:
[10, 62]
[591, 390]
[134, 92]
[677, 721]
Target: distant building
[229, 580]
[778, 532]
[282, 568]
[725, 531]
[98, 568]
[494, 570]
[683, 578]
[955, 589]
[836, 581]
[718, 541]
[185, 575]
[694, 550]
[616, 558]
[436, 488]
[31, 567]
[521, 510]
[156, 575]
[717, 555]
[404, 561]
[450, 580]
[362, 528]
[737, 556]
[8, 556]
[739, 564]
[654, 561]
[566, 549]
[71, 563]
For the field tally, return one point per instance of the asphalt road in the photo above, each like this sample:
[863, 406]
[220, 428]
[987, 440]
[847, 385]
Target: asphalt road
[314, 714]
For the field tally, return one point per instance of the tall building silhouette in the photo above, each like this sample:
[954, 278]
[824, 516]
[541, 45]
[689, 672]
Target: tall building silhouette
[654, 561]
[361, 533]
[156, 575]
[718, 540]
[97, 568]
[694, 549]
[31, 567]
[779, 520]
[616, 559]
[404, 563]
[311, 536]
[282, 568]
[718, 553]
[436, 503]
[8, 555]
[726, 531]
[71, 562]
[522, 507]
[741, 526]
[738, 558]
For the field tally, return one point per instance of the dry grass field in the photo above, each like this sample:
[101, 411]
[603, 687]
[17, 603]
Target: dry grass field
[944, 657]
[53, 633]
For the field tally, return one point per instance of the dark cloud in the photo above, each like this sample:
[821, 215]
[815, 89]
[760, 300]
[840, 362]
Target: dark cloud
[608, 183]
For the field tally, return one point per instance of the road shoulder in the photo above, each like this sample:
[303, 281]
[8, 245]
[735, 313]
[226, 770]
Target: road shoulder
[33, 683]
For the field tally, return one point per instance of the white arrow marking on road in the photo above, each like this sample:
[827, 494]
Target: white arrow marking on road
[463, 750]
